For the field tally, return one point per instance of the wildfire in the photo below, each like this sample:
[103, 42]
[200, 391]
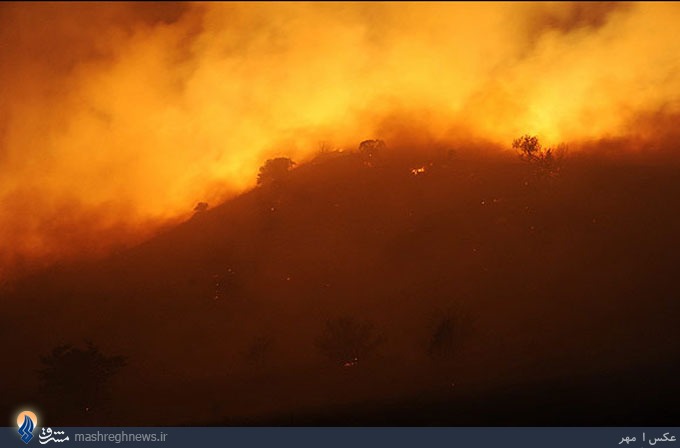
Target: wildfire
[118, 117]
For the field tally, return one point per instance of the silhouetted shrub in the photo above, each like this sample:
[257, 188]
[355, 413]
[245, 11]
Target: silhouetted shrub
[274, 170]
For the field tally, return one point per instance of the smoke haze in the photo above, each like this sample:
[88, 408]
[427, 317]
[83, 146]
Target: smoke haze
[116, 118]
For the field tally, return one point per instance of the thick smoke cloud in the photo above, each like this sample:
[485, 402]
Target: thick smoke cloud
[115, 117]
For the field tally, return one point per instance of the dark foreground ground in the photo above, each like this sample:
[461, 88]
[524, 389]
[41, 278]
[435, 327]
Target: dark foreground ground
[476, 291]
[634, 398]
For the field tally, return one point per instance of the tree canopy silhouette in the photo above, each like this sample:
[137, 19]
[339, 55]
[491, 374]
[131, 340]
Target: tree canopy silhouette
[546, 161]
[370, 150]
[274, 170]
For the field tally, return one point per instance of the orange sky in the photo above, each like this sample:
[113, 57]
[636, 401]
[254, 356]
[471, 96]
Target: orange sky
[115, 117]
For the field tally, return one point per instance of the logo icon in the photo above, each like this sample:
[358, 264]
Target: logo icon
[48, 436]
[26, 421]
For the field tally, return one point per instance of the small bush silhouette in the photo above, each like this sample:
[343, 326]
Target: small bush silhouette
[274, 170]
[346, 341]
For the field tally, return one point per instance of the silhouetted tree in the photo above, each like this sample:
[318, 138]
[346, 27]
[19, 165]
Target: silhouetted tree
[371, 150]
[546, 161]
[528, 146]
[76, 381]
[346, 341]
[274, 170]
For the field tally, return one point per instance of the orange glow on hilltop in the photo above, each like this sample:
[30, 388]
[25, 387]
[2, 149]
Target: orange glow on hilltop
[115, 118]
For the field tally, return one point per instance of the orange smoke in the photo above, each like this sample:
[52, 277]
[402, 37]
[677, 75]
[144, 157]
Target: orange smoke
[116, 117]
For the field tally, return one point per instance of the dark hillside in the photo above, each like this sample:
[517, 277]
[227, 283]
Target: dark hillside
[347, 288]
